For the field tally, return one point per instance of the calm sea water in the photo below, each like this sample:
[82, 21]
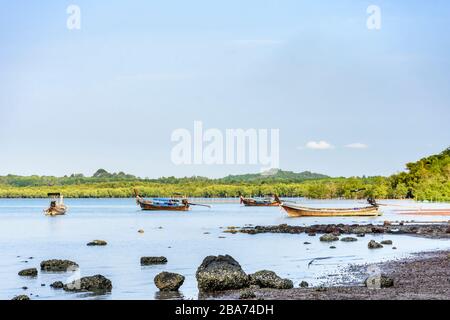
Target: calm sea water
[27, 237]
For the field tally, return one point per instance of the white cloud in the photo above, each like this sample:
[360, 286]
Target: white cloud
[357, 145]
[319, 145]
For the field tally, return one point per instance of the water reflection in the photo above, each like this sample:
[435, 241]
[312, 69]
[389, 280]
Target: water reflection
[169, 295]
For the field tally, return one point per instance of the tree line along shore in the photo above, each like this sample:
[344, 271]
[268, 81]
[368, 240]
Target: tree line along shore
[426, 179]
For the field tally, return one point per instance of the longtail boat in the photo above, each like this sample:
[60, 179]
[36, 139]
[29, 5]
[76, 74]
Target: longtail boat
[57, 206]
[296, 210]
[260, 202]
[165, 204]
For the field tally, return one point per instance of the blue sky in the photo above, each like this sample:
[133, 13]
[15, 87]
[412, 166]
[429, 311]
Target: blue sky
[110, 95]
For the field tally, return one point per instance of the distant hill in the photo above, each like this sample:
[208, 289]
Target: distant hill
[274, 176]
[103, 176]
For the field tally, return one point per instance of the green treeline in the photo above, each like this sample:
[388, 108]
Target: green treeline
[426, 179]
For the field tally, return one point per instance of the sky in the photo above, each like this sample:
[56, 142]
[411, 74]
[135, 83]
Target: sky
[347, 100]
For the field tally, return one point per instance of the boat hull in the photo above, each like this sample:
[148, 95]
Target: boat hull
[297, 211]
[253, 203]
[56, 211]
[163, 208]
[146, 206]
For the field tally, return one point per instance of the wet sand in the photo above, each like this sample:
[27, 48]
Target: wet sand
[423, 277]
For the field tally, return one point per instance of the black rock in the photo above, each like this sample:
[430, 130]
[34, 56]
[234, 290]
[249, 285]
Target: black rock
[97, 243]
[146, 261]
[28, 272]
[167, 281]
[220, 273]
[269, 279]
[97, 284]
[57, 285]
[374, 245]
[56, 265]
[21, 297]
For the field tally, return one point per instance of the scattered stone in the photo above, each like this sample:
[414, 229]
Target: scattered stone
[269, 279]
[329, 237]
[24, 288]
[147, 261]
[304, 284]
[361, 235]
[247, 294]
[221, 237]
[141, 231]
[374, 245]
[332, 247]
[311, 234]
[388, 242]
[57, 285]
[206, 232]
[21, 297]
[379, 281]
[58, 265]
[97, 243]
[219, 273]
[321, 289]
[386, 223]
[394, 248]
[97, 284]
[306, 243]
[167, 281]
[28, 272]
[349, 239]
[42, 284]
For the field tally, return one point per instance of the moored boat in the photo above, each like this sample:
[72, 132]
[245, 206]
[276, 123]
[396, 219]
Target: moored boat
[261, 202]
[296, 210]
[164, 204]
[57, 206]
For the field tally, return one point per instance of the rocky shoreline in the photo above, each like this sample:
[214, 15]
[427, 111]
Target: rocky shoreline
[426, 276]
[433, 231]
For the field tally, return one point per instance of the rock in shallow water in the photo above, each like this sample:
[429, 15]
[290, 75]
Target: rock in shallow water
[269, 279]
[220, 273]
[56, 265]
[57, 285]
[304, 284]
[374, 245]
[329, 237]
[167, 281]
[388, 242]
[349, 239]
[32, 272]
[97, 284]
[147, 261]
[21, 297]
[97, 243]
